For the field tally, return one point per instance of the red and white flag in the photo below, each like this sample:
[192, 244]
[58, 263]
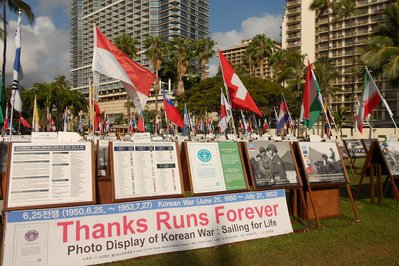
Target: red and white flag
[368, 102]
[53, 128]
[240, 97]
[109, 60]
[225, 113]
[24, 122]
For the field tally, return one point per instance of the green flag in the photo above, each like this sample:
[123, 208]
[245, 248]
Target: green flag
[311, 101]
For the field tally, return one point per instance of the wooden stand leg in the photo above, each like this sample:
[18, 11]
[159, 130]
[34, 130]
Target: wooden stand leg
[372, 189]
[314, 208]
[305, 208]
[348, 188]
[379, 186]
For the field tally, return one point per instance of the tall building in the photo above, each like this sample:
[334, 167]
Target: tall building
[236, 54]
[138, 18]
[341, 40]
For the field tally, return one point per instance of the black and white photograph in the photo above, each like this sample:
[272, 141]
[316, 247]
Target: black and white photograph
[390, 149]
[272, 163]
[322, 162]
[355, 148]
[341, 147]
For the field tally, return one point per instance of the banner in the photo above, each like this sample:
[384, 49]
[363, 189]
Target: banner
[104, 233]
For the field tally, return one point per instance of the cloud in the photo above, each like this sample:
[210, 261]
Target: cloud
[268, 25]
[44, 51]
[48, 5]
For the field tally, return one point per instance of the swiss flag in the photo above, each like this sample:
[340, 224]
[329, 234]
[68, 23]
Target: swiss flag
[240, 97]
[109, 60]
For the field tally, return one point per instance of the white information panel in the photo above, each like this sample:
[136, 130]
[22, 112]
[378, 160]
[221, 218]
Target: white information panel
[45, 174]
[145, 170]
[90, 235]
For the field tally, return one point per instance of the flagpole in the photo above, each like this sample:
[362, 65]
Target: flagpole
[383, 100]
[288, 113]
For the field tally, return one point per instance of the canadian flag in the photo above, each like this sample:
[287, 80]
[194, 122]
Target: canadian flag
[109, 60]
[225, 113]
[240, 97]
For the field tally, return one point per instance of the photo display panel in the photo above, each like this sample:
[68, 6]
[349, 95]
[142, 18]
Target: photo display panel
[272, 164]
[322, 162]
[215, 166]
[390, 149]
[355, 148]
[102, 157]
[145, 170]
[341, 147]
[48, 174]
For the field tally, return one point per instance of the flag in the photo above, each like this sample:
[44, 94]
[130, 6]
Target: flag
[186, 121]
[225, 113]
[3, 107]
[107, 123]
[265, 124]
[15, 96]
[244, 123]
[35, 118]
[369, 100]
[171, 112]
[283, 116]
[24, 122]
[109, 60]
[240, 97]
[140, 125]
[53, 128]
[66, 119]
[311, 104]
[132, 125]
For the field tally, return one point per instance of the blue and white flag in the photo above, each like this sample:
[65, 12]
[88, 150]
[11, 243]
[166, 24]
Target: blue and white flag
[15, 96]
[186, 119]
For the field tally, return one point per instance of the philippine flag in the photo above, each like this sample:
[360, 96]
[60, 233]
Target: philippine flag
[171, 112]
[284, 116]
[109, 60]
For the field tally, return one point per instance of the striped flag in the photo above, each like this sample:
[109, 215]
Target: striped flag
[16, 101]
[368, 102]
[284, 116]
[53, 128]
[225, 113]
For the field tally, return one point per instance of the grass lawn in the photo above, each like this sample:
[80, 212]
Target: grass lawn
[373, 241]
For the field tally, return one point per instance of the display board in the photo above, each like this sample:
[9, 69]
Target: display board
[42, 175]
[355, 148]
[384, 155]
[102, 158]
[272, 164]
[142, 170]
[342, 149]
[322, 162]
[215, 167]
[367, 144]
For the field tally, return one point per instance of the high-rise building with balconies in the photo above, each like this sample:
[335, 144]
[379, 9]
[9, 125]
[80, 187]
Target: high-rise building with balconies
[340, 39]
[137, 18]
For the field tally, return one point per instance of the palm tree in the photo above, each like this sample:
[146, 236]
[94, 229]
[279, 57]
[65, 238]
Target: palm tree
[180, 51]
[127, 45]
[382, 50]
[204, 51]
[155, 52]
[45, 93]
[340, 118]
[325, 71]
[321, 6]
[345, 9]
[260, 48]
[14, 6]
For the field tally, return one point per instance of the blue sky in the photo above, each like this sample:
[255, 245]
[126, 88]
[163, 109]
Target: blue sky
[45, 45]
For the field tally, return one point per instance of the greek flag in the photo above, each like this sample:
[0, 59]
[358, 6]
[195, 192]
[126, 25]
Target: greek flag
[15, 96]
